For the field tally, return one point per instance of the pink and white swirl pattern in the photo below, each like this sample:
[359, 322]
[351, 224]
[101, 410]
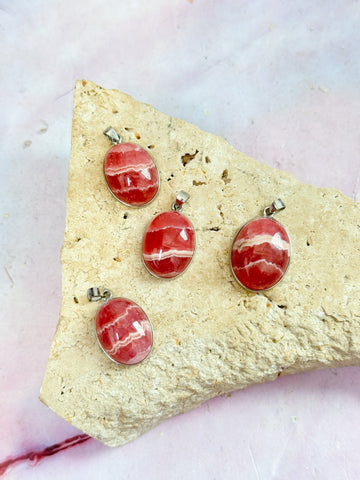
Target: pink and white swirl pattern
[131, 174]
[124, 331]
[168, 245]
[260, 254]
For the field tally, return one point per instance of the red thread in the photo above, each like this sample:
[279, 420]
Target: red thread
[36, 456]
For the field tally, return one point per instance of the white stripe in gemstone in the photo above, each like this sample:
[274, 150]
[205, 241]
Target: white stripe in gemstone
[117, 319]
[256, 262]
[129, 188]
[126, 341]
[274, 240]
[115, 170]
[167, 227]
[150, 257]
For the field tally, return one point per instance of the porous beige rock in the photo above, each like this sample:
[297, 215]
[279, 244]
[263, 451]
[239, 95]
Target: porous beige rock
[211, 336]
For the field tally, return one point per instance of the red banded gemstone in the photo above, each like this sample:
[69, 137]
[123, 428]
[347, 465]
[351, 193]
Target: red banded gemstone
[168, 245]
[260, 254]
[131, 174]
[124, 331]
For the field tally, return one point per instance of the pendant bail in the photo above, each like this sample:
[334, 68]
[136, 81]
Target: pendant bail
[275, 207]
[112, 135]
[181, 198]
[94, 294]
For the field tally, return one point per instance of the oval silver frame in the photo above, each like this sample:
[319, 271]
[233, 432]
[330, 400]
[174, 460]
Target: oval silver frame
[102, 348]
[142, 242]
[157, 173]
[287, 267]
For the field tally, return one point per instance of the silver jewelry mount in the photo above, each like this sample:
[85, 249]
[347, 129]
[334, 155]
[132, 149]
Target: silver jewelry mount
[112, 135]
[94, 294]
[181, 198]
[275, 207]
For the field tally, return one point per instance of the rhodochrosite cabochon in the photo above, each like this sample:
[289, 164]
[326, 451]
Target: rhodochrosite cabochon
[131, 174]
[169, 244]
[260, 254]
[124, 331]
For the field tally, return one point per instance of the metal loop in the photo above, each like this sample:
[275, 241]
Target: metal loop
[268, 212]
[176, 207]
[107, 294]
[181, 198]
[112, 135]
[94, 294]
[275, 207]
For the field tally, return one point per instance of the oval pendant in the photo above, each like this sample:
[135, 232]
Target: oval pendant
[168, 245]
[124, 331]
[260, 254]
[131, 174]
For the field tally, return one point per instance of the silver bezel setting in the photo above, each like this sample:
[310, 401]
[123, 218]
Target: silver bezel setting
[109, 299]
[115, 143]
[176, 208]
[287, 267]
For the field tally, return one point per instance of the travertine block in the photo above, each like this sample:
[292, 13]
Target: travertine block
[211, 336]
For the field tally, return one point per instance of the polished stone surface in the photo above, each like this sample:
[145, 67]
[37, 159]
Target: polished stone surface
[168, 245]
[260, 254]
[131, 174]
[124, 331]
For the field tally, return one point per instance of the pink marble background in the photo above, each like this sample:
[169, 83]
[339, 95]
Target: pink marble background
[281, 82]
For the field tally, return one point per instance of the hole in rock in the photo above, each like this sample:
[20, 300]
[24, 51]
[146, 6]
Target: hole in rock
[225, 177]
[188, 157]
[132, 130]
[221, 212]
[198, 182]
[207, 159]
